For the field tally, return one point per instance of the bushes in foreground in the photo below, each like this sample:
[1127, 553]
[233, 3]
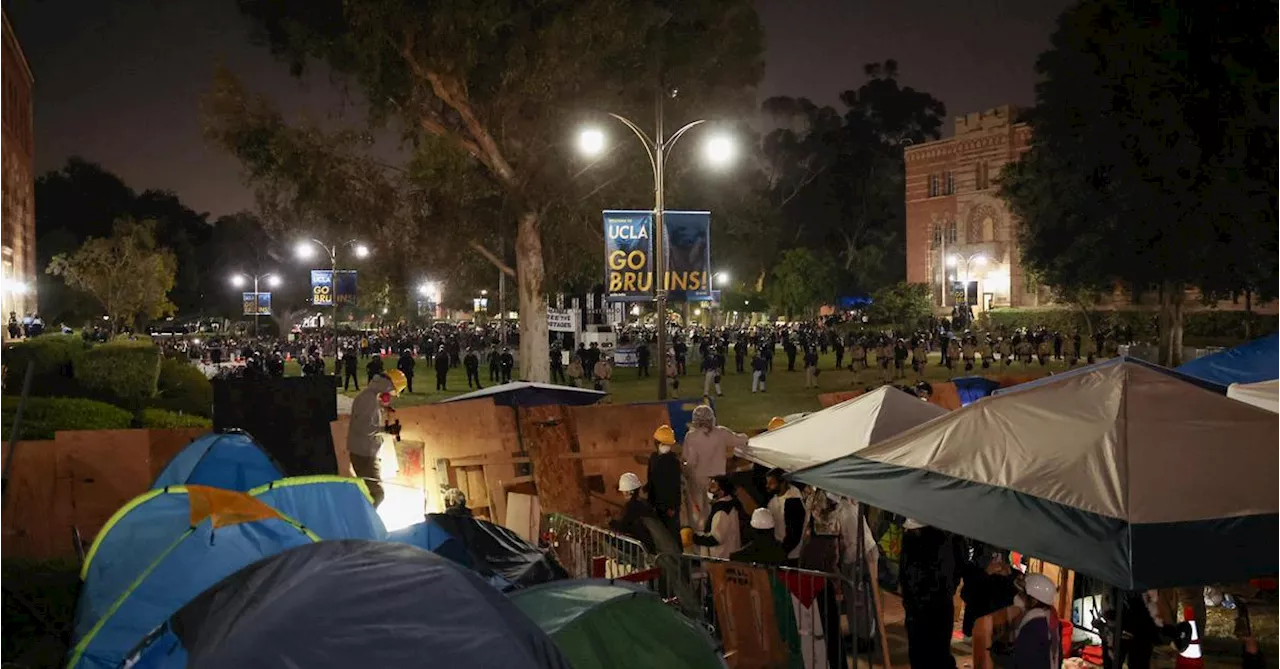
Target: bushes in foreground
[161, 419]
[124, 373]
[55, 358]
[183, 388]
[46, 415]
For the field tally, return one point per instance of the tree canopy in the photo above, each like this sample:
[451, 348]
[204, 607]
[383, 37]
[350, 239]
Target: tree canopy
[126, 274]
[1153, 154]
[802, 281]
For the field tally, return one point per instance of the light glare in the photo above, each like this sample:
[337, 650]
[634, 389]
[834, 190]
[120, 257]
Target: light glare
[720, 150]
[591, 142]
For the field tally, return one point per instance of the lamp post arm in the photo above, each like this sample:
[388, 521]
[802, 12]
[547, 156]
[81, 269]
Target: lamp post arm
[680, 133]
[644, 139]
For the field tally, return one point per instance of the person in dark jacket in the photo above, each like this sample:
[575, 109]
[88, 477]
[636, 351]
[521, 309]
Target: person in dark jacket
[785, 502]
[930, 563]
[374, 367]
[763, 548]
[506, 363]
[406, 365]
[665, 480]
[642, 359]
[634, 511]
[442, 368]
[349, 368]
[721, 533]
[557, 366]
[471, 362]
[495, 374]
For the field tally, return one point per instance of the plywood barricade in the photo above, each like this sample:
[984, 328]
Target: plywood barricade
[569, 457]
[77, 481]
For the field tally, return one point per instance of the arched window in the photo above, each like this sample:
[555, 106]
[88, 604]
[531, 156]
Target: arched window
[982, 225]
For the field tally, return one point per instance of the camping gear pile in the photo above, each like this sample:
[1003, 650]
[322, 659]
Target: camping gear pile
[226, 561]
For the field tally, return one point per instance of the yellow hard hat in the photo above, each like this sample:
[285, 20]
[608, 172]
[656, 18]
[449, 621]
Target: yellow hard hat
[397, 380]
[664, 435]
[776, 422]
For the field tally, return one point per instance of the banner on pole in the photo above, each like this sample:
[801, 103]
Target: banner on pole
[629, 250]
[562, 320]
[324, 289]
[688, 242]
[257, 304]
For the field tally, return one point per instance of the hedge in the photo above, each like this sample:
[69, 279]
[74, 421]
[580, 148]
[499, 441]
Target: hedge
[45, 415]
[124, 373]
[1232, 325]
[183, 388]
[39, 610]
[160, 419]
[55, 356]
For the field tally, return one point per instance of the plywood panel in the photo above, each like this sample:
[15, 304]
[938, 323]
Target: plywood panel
[497, 477]
[546, 433]
[832, 399]
[30, 516]
[456, 429]
[615, 439]
[945, 395]
[106, 469]
[523, 516]
[477, 491]
[339, 430]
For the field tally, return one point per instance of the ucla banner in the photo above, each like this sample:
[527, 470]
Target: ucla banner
[324, 289]
[257, 304]
[688, 242]
[628, 247]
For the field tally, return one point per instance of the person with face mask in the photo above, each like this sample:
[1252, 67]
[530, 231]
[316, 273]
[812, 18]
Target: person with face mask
[706, 450]
[665, 480]
[763, 548]
[634, 511]
[721, 534]
[785, 502]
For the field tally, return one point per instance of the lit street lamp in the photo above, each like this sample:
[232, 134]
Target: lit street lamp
[239, 281]
[719, 150]
[975, 260]
[306, 250]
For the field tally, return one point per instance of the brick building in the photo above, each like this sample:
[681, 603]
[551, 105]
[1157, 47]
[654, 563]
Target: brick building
[17, 213]
[959, 232]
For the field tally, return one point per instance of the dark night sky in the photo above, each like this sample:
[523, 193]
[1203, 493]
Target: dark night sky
[119, 81]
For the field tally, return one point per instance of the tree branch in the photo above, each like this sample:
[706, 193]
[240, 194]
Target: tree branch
[492, 257]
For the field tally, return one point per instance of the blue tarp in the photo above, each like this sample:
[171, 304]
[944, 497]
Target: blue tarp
[131, 589]
[348, 604]
[530, 394]
[973, 388]
[227, 460]
[334, 507]
[1258, 360]
[494, 552]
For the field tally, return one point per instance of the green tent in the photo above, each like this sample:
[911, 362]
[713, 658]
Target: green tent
[600, 623]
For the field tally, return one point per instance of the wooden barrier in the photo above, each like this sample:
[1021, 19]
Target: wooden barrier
[78, 480]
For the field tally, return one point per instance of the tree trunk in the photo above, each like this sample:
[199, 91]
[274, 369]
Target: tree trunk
[1164, 328]
[535, 365]
[1175, 325]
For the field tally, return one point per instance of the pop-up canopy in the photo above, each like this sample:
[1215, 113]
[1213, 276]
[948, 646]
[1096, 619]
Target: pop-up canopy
[1124, 472]
[839, 430]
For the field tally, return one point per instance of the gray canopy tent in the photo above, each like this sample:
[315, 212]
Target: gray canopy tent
[1123, 472]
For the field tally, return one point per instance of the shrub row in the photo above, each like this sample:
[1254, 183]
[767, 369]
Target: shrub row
[121, 373]
[45, 415]
[1232, 325]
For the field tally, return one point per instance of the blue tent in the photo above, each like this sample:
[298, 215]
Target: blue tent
[334, 507]
[1258, 360]
[350, 604]
[530, 394]
[159, 552]
[494, 552]
[228, 460]
[973, 388]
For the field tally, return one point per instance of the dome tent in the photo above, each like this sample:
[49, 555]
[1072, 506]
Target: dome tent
[158, 552]
[1251, 362]
[412, 609]
[494, 552]
[334, 507]
[230, 460]
[599, 623]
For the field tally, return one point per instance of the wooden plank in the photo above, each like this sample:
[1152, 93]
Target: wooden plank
[107, 468]
[478, 494]
[523, 516]
[497, 478]
[546, 432]
[490, 459]
[30, 521]
[456, 429]
[605, 455]
[338, 429]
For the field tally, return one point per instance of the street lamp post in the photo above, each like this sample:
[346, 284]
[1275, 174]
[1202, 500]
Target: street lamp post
[977, 259]
[658, 147]
[239, 280]
[306, 250]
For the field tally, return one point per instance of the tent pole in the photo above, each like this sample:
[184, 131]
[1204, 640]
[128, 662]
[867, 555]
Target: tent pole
[858, 569]
[1117, 633]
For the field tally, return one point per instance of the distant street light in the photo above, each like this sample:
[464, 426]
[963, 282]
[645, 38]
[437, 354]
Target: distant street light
[239, 280]
[719, 151]
[975, 260]
[306, 250]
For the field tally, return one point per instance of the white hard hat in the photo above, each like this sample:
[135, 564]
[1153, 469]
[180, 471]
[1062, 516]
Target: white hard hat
[628, 482]
[761, 519]
[1041, 589]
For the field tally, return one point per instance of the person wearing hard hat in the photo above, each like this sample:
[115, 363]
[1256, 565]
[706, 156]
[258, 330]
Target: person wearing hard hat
[706, 452]
[368, 428]
[1038, 637]
[665, 480]
[763, 547]
[634, 511]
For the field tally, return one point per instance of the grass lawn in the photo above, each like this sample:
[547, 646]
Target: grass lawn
[738, 408]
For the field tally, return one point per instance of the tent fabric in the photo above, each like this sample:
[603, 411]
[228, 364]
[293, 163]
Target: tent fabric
[1264, 394]
[493, 551]
[973, 388]
[531, 394]
[194, 560]
[334, 507]
[1104, 472]
[229, 460]
[1109, 363]
[839, 430]
[599, 623]
[384, 605]
[1251, 362]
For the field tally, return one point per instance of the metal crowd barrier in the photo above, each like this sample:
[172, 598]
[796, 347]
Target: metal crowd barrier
[807, 620]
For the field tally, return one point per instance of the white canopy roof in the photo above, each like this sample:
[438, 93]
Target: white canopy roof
[1263, 394]
[839, 430]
